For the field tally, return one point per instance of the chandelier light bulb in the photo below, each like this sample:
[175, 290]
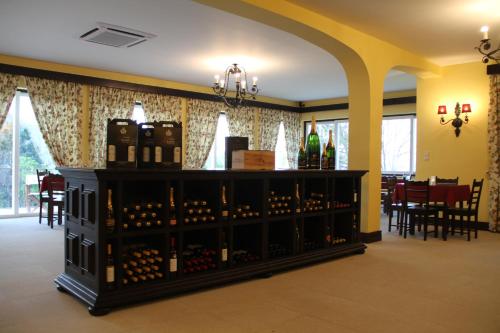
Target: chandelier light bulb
[484, 30]
[237, 77]
[243, 84]
[222, 81]
[254, 79]
[216, 77]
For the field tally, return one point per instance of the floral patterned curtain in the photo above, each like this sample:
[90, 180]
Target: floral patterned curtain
[160, 107]
[106, 103]
[494, 151]
[242, 123]
[8, 86]
[269, 128]
[202, 119]
[291, 122]
[58, 110]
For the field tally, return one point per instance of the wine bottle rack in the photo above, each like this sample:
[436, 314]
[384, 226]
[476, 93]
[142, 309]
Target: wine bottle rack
[215, 227]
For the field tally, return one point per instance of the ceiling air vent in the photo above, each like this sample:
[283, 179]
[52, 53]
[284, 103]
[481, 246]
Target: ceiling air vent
[113, 35]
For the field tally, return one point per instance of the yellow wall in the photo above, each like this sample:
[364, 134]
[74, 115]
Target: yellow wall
[449, 156]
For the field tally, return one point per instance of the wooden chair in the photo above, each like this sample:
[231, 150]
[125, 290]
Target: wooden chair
[469, 212]
[416, 206]
[390, 206]
[31, 192]
[42, 195]
[54, 186]
[447, 181]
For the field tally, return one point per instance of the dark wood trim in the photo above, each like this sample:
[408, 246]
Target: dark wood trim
[345, 106]
[493, 69]
[89, 80]
[371, 237]
[483, 225]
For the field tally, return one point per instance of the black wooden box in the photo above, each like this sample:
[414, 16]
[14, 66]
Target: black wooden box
[121, 144]
[168, 144]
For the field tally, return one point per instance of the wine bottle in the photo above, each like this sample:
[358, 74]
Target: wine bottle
[173, 220]
[224, 248]
[110, 216]
[324, 158]
[173, 256]
[110, 268]
[330, 152]
[313, 147]
[297, 199]
[224, 205]
[328, 236]
[302, 158]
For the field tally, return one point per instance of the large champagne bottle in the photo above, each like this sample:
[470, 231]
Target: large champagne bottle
[330, 152]
[302, 158]
[313, 147]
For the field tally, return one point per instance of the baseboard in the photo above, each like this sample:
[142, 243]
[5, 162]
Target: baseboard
[371, 237]
[483, 225]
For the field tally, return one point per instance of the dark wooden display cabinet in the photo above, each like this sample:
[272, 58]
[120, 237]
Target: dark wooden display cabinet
[275, 220]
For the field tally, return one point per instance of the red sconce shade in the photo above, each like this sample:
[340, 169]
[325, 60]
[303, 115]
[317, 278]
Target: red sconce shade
[442, 109]
[466, 108]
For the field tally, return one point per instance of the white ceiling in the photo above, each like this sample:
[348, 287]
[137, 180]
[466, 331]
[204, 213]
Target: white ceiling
[195, 41]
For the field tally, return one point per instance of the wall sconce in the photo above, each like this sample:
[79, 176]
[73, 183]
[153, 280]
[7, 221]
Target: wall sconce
[455, 122]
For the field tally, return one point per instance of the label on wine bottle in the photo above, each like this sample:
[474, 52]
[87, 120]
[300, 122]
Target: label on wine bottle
[131, 153]
[173, 265]
[158, 154]
[145, 154]
[110, 274]
[225, 213]
[177, 155]
[111, 153]
[224, 255]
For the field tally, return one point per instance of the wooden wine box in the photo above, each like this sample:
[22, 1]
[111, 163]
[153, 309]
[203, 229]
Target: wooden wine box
[253, 159]
[121, 144]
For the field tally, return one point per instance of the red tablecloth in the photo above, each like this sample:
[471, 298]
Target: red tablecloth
[451, 194]
[57, 183]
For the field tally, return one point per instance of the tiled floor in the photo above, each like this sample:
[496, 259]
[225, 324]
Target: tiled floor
[396, 286]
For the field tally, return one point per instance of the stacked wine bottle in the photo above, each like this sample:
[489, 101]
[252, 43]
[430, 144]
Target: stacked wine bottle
[311, 245]
[314, 202]
[338, 204]
[198, 211]
[198, 258]
[279, 204]
[338, 240]
[242, 256]
[277, 250]
[245, 211]
[141, 264]
[142, 215]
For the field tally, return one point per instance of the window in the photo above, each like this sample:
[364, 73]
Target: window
[138, 113]
[22, 152]
[280, 154]
[340, 132]
[398, 144]
[217, 156]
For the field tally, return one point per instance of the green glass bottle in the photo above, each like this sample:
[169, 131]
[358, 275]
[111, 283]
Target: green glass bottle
[313, 147]
[302, 158]
[330, 152]
[324, 158]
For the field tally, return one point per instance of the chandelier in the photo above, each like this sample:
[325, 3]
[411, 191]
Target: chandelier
[236, 96]
[485, 46]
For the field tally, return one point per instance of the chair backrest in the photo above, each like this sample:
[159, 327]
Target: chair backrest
[447, 181]
[475, 195]
[55, 184]
[416, 192]
[40, 174]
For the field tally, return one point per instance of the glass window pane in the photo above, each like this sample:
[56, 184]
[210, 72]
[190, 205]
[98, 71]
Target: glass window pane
[396, 145]
[217, 156]
[138, 114]
[33, 154]
[342, 145]
[281, 160]
[6, 133]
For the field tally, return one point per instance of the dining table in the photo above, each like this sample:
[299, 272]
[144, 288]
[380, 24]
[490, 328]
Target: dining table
[449, 194]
